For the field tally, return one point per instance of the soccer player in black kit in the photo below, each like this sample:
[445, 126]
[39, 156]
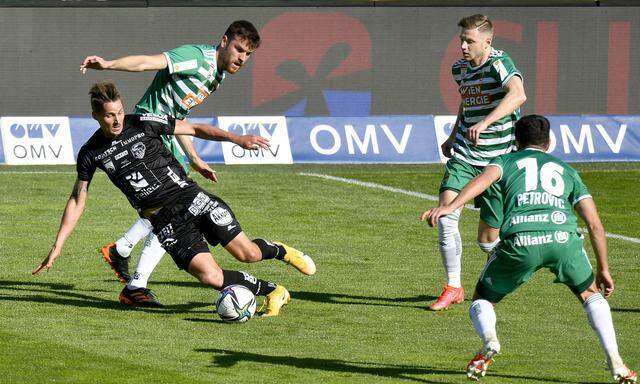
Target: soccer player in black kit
[129, 150]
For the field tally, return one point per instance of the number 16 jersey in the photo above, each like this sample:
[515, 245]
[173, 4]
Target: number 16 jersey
[538, 192]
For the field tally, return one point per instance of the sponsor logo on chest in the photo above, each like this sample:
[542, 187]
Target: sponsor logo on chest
[472, 95]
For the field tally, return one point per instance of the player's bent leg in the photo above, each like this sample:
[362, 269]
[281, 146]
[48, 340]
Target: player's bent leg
[243, 249]
[483, 317]
[249, 251]
[488, 237]
[599, 315]
[205, 269]
[450, 245]
[117, 254]
[150, 256]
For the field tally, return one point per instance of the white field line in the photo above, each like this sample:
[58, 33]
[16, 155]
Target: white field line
[34, 172]
[426, 196]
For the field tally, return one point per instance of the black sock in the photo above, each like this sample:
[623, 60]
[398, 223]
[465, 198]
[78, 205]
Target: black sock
[255, 285]
[270, 250]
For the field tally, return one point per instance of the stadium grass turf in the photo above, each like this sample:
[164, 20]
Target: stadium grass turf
[361, 319]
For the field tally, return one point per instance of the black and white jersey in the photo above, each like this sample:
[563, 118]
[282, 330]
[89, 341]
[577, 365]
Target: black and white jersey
[136, 161]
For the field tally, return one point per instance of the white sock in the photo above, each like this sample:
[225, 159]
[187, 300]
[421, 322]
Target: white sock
[149, 258]
[137, 231]
[599, 315]
[488, 247]
[450, 245]
[483, 318]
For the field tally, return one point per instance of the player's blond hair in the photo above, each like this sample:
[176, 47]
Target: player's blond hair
[103, 92]
[481, 22]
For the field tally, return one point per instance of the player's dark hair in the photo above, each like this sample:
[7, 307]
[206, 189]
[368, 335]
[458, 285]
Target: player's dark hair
[244, 30]
[103, 92]
[481, 22]
[532, 130]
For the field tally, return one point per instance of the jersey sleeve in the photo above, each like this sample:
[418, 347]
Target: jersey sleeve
[503, 69]
[579, 191]
[85, 167]
[185, 59]
[497, 162]
[157, 125]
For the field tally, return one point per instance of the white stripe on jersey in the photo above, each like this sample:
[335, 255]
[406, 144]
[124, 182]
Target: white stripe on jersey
[183, 87]
[167, 99]
[497, 140]
[491, 106]
[460, 156]
[480, 153]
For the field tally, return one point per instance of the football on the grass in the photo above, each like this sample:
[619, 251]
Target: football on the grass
[236, 304]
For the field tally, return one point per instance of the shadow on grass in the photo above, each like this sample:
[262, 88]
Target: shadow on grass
[635, 310]
[335, 298]
[68, 295]
[340, 298]
[226, 359]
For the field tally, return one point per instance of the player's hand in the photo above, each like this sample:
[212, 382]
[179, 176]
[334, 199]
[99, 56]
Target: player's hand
[433, 214]
[253, 142]
[48, 261]
[604, 282]
[447, 148]
[93, 62]
[473, 133]
[204, 169]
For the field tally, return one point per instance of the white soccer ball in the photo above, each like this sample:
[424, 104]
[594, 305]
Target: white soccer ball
[236, 304]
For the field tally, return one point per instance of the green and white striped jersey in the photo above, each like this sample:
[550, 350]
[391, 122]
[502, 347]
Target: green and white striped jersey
[481, 89]
[538, 192]
[190, 77]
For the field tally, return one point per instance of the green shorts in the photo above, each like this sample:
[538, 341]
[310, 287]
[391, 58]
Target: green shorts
[457, 174]
[517, 257]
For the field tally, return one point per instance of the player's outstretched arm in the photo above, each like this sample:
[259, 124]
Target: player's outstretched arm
[475, 187]
[194, 159]
[587, 210]
[137, 63]
[513, 99]
[72, 212]
[209, 132]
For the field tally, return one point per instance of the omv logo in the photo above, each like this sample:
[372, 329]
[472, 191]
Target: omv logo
[33, 131]
[313, 64]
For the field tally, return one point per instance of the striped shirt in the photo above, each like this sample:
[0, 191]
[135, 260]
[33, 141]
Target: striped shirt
[481, 89]
[190, 77]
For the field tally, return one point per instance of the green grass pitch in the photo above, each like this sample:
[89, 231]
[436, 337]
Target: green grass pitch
[361, 319]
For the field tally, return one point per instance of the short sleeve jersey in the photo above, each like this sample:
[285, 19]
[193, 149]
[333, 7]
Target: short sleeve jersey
[481, 90]
[538, 191]
[190, 77]
[136, 161]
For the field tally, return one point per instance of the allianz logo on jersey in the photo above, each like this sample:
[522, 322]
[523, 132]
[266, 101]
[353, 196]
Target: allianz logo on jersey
[273, 128]
[36, 140]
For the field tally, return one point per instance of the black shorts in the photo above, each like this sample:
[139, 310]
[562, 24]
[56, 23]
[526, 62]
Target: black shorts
[196, 215]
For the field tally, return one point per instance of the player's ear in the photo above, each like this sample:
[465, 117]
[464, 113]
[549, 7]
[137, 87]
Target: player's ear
[94, 115]
[224, 41]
